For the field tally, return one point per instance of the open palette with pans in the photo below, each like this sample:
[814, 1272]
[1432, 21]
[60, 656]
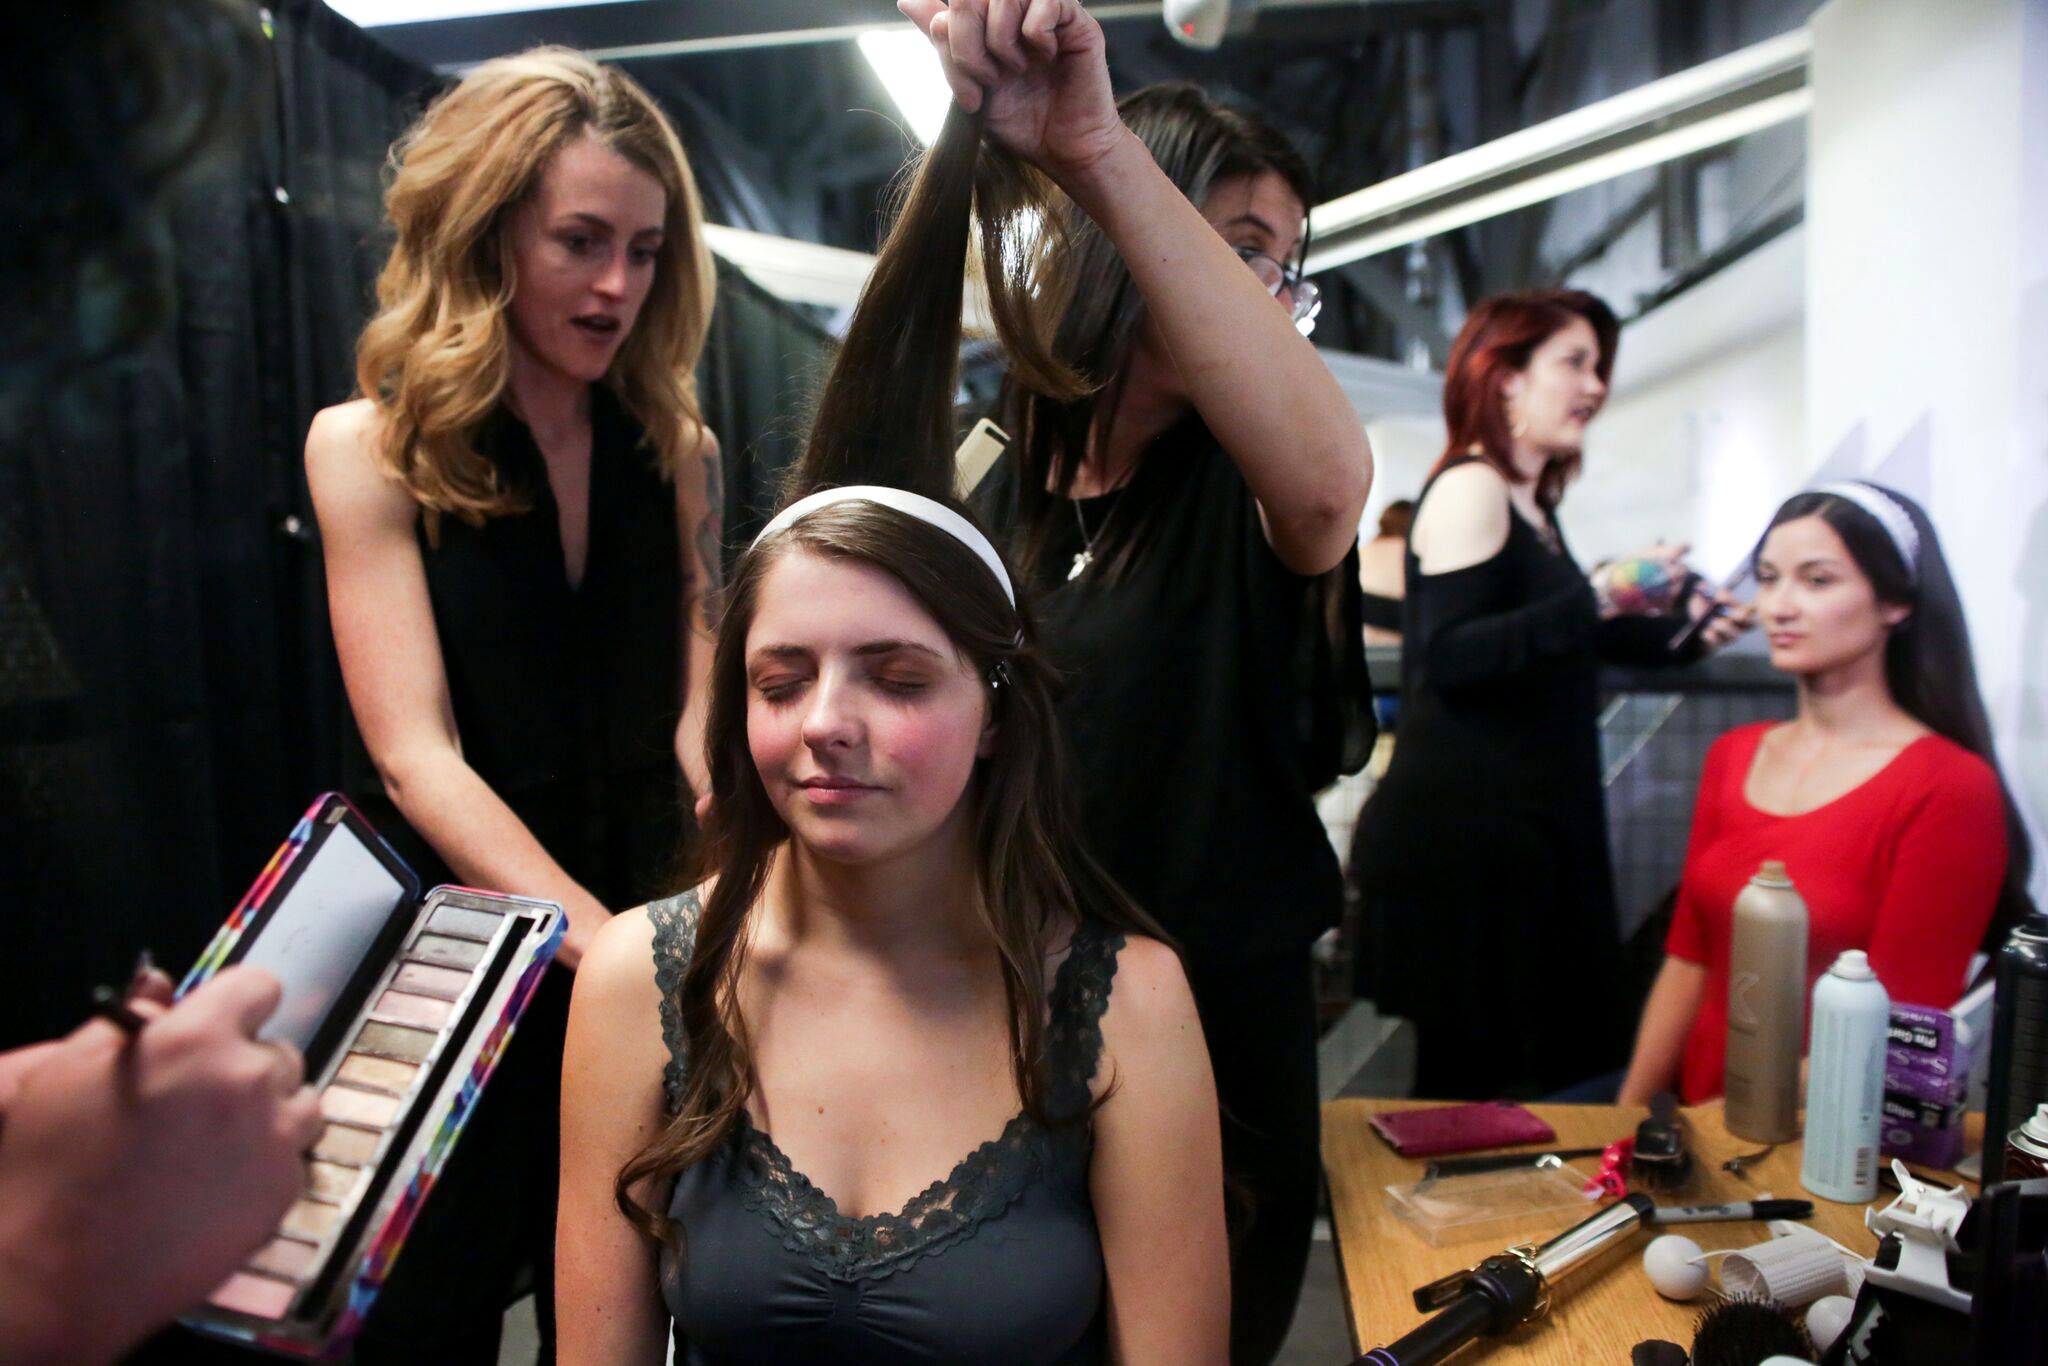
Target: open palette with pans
[402, 1006]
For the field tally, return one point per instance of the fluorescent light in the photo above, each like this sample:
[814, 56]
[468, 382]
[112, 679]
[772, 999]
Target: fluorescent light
[908, 67]
[1713, 103]
[378, 13]
[799, 272]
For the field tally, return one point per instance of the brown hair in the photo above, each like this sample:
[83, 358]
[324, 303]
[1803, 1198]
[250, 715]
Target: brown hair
[1397, 517]
[1196, 142]
[885, 417]
[1496, 341]
[434, 358]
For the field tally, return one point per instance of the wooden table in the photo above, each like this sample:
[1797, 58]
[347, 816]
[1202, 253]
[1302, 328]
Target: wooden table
[1603, 1307]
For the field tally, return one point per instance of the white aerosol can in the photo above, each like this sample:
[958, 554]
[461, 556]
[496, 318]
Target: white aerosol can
[1845, 1081]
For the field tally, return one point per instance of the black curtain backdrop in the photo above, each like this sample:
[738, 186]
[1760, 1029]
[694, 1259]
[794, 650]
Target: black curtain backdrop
[762, 366]
[169, 700]
[158, 554]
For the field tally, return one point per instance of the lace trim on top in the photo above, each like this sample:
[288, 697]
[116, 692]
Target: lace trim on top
[675, 939]
[981, 1187]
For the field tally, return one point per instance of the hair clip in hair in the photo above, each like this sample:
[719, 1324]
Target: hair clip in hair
[1000, 677]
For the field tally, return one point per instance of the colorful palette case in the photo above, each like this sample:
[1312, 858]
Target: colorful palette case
[402, 1006]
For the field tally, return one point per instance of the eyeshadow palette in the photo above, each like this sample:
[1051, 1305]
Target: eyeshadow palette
[402, 1006]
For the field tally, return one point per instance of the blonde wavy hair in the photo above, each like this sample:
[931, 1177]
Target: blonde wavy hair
[434, 358]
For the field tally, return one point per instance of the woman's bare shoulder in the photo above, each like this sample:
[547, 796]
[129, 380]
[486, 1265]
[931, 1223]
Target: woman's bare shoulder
[343, 469]
[1150, 1000]
[358, 423]
[1473, 484]
[1463, 519]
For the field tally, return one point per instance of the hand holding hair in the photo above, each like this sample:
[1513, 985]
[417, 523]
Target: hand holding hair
[1035, 69]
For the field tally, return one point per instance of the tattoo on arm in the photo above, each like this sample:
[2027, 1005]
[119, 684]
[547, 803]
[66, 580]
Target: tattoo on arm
[710, 546]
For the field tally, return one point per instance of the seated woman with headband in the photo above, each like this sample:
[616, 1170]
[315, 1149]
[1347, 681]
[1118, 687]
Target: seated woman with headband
[1881, 796]
[905, 1077]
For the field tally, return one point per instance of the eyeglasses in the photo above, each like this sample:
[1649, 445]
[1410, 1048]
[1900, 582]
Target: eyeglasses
[1305, 297]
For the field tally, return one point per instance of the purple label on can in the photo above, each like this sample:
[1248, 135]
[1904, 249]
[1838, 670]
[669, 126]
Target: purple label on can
[1924, 1132]
[1921, 1056]
[1925, 1077]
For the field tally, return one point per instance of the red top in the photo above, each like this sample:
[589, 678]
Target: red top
[1906, 867]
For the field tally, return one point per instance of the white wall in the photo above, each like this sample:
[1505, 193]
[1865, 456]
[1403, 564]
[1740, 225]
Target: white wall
[1927, 309]
[1404, 449]
[1704, 432]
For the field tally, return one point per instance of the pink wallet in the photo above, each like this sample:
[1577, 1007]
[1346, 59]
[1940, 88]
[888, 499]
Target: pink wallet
[1460, 1128]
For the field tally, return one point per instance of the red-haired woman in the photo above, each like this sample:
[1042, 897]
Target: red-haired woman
[1482, 856]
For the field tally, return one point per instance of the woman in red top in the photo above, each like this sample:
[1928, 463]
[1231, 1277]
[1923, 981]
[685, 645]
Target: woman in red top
[1880, 796]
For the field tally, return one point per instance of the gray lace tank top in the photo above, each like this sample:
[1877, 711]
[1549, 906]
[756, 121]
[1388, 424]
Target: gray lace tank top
[999, 1261]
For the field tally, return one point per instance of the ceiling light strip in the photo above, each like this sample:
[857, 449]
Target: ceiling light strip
[1702, 107]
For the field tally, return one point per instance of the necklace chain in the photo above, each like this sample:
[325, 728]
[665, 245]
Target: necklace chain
[1086, 556]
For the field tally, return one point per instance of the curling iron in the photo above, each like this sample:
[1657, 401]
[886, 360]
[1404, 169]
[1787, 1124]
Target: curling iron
[1505, 1290]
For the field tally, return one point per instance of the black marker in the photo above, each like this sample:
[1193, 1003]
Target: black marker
[1740, 1210]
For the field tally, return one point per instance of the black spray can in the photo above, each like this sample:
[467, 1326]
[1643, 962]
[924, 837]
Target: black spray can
[2019, 1037]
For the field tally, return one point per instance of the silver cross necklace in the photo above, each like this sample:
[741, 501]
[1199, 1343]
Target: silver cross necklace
[1086, 556]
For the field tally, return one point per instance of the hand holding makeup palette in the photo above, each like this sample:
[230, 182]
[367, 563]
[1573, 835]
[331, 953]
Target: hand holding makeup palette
[402, 1007]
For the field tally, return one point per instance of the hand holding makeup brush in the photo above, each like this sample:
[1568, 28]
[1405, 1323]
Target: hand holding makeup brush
[137, 1170]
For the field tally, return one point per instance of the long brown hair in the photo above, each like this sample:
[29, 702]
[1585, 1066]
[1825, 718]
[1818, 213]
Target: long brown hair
[885, 417]
[1496, 341]
[435, 357]
[1196, 142]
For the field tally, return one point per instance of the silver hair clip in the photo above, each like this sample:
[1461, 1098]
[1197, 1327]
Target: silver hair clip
[1000, 677]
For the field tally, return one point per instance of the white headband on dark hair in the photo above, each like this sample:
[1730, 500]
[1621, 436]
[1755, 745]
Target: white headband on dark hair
[1889, 513]
[926, 510]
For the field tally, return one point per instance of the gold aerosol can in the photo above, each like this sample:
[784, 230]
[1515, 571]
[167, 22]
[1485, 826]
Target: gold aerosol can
[1766, 1008]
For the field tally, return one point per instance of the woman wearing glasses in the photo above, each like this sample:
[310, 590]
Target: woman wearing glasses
[1174, 524]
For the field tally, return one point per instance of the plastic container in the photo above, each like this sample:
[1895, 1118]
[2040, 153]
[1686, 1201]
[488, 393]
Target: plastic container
[1766, 1008]
[1845, 1086]
[1493, 1206]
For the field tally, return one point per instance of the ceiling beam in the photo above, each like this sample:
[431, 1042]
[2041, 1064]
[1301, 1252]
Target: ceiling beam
[1390, 297]
[630, 30]
[1709, 104]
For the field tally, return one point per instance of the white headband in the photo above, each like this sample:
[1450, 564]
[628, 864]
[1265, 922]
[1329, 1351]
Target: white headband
[926, 510]
[1889, 513]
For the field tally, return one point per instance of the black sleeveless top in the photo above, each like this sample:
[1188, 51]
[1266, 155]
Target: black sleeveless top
[1184, 708]
[998, 1261]
[566, 698]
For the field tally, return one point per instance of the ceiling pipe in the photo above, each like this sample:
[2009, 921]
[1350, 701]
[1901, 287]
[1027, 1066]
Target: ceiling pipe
[1701, 107]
